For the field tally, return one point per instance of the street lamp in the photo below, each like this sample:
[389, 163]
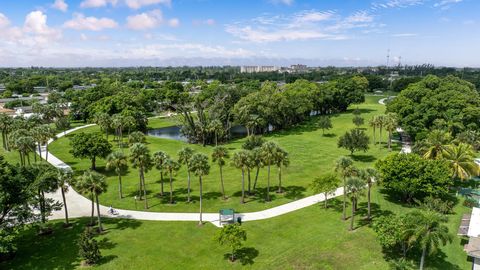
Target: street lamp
[135, 197]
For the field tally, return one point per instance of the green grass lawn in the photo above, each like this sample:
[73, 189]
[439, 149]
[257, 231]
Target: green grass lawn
[311, 238]
[311, 155]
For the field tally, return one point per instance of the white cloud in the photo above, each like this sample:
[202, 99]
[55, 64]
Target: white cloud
[397, 4]
[446, 4]
[305, 25]
[80, 22]
[174, 22]
[4, 21]
[162, 51]
[209, 22]
[136, 4]
[83, 37]
[97, 3]
[146, 20]
[36, 24]
[60, 5]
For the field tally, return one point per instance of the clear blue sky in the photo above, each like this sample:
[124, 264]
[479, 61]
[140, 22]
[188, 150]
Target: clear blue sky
[216, 32]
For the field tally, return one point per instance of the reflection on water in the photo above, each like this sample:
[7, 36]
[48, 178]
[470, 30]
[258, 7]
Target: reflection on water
[173, 133]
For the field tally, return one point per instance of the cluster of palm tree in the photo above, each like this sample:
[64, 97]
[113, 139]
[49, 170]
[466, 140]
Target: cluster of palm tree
[25, 136]
[387, 122]
[117, 122]
[355, 181]
[440, 144]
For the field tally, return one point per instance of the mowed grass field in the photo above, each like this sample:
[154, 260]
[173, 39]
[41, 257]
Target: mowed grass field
[311, 154]
[310, 238]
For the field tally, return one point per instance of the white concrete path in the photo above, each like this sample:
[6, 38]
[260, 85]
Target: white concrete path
[79, 206]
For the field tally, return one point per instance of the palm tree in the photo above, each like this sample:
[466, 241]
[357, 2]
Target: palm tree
[240, 161]
[219, 155]
[269, 156]
[140, 158]
[429, 233]
[355, 187]
[159, 159]
[171, 166]
[436, 143]
[200, 167]
[104, 121]
[64, 177]
[118, 124]
[216, 127]
[136, 137]
[5, 126]
[461, 159]
[118, 161]
[390, 126]
[184, 157]
[24, 145]
[282, 160]
[258, 163]
[373, 123]
[344, 166]
[96, 183]
[380, 119]
[369, 176]
[129, 122]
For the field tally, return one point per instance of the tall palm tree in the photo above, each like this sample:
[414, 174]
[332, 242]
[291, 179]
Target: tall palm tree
[216, 127]
[159, 159]
[240, 161]
[200, 167]
[373, 123]
[118, 161]
[64, 177]
[45, 181]
[140, 158]
[390, 126]
[184, 157]
[429, 233]
[269, 156]
[258, 163]
[118, 123]
[344, 166]
[380, 119]
[96, 183]
[219, 154]
[171, 167]
[461, 159]
[24, 145]
[104, 121]
[5, 127]
[129, 122]
[282, 160]
[436, 142]
[369, 176]
[355, 187]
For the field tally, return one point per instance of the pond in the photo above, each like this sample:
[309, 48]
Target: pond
[173, 133]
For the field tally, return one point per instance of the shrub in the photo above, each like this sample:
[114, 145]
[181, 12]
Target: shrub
[88, 248]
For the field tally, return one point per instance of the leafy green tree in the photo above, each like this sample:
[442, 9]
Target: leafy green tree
[136, 137]
[91, 146]
[408, 176]
[171, 167]
[104, 121]
[429, 234]
[252, 142]
[325, 123]
[141, 159]
[354, 140]
[358, 120]
[184, 156]
[88, 248]
[159, 159]
[117, 161]
[219, 155]
[200, 167]
[62, 123]
[96, 183]
[326, 184]
[269, 154]
[355, 188]
[240, 161]
[344, 166]
[461, 160]
[232, 235]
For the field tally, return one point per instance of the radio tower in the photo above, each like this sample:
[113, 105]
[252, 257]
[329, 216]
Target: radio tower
[388, 57]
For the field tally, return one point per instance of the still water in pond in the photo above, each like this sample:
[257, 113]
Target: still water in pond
[173, 133]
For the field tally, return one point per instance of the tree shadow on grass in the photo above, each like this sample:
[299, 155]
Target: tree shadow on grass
[329, 135]
[334, 203]
[105, 243]
[245, 255]
[106, 259]
[123, 223]
[212, 195]
[363, 158]
[294, 192]
[362, 212]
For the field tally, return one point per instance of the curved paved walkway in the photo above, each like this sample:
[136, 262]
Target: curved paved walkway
[79, 206]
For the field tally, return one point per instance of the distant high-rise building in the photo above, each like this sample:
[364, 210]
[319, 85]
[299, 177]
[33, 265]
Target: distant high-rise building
[254, 69]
